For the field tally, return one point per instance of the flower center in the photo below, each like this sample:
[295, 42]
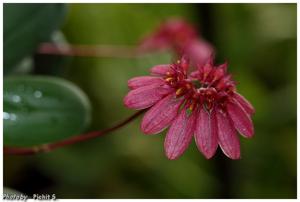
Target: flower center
[206, 89]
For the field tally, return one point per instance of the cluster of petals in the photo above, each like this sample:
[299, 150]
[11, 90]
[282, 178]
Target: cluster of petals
[181, 37]
[203, 105]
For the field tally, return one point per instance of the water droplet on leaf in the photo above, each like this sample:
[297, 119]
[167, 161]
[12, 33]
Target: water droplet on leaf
[16, 98]
[38, 94]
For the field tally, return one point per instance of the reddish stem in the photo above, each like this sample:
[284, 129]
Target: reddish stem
[69, 141]
[89, 51]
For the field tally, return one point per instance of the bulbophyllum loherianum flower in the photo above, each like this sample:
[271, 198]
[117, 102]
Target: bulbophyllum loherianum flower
[181, 37]
[203, 104]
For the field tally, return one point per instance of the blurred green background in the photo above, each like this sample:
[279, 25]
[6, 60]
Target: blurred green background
[259, 42]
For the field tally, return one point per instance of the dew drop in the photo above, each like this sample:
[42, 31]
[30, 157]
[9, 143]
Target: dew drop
[16, 98]
[8, 116]
[38, 94]
[13, 117]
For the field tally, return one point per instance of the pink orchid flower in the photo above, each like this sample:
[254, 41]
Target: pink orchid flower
[204, 105]
[182, 38]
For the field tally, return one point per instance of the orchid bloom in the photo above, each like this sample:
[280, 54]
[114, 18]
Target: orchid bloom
[182, 38]
[203, 104]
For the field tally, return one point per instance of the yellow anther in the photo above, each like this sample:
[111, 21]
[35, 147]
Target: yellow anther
[169, 79]
[192, 106]
[168, 73]
[179, 91]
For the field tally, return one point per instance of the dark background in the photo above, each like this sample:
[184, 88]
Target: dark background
[259, 42]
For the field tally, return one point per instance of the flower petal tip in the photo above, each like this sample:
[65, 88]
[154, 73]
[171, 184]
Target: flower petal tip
[146, 131]
[172, 155]
[248, 136]
[233, 156]
[126, 101]
[208, 156]
[236, 157]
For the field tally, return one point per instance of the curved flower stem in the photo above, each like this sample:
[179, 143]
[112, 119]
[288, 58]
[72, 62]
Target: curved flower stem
[69, 141]
[89, 50]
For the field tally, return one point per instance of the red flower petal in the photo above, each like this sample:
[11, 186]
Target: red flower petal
[160, 70]
[244, 103]
[227, 136]
[161, 115]
[146, 96]
[141, 81]
[241, 120]
[199, 52]
[223, 66]
[184, 62]
[171, 33]
[206, 135]
[179, 135]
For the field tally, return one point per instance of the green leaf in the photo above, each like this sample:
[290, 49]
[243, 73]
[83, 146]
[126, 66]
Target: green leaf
[40, 110]
[25, 26]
